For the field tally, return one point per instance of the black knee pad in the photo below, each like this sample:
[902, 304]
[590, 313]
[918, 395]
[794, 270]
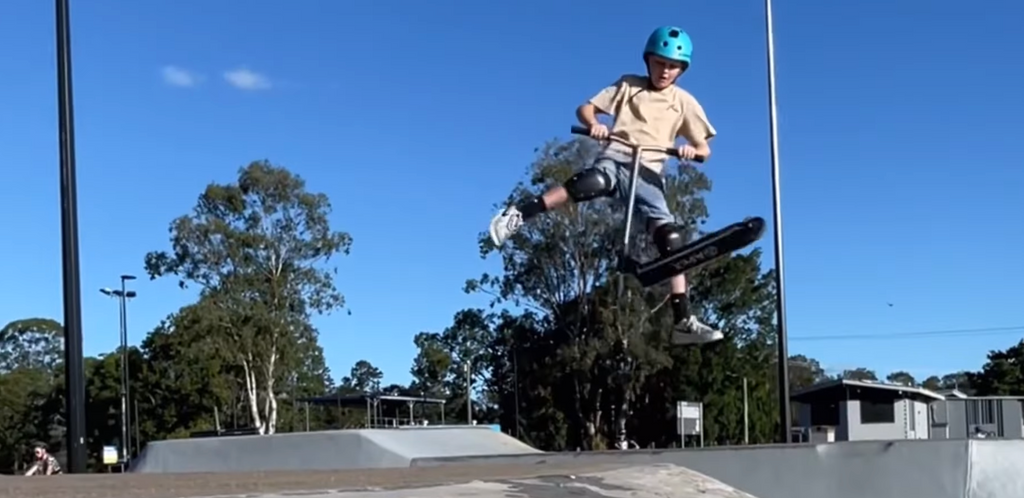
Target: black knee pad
[588, 184]
[669, 238]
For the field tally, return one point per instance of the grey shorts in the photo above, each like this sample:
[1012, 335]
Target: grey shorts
[650, 197]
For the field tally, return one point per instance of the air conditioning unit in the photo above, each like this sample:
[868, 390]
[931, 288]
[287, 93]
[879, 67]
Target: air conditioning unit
[822, 434]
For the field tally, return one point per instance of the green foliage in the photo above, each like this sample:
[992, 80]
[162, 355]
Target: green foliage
[34, 343]
[1002, 375]
[901, 378]
[363, 378]
[23, 393]
[257, 249]
[861, 374]
[449, 361]
[30, 355]
[933, 383]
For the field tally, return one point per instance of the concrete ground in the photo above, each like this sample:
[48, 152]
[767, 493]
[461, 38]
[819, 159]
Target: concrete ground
[220, 484]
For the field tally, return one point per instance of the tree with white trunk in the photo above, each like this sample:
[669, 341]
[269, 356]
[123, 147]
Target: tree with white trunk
[258, 250]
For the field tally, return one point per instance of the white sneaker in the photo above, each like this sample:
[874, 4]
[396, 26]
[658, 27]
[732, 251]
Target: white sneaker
[692, 331]
[505, 224]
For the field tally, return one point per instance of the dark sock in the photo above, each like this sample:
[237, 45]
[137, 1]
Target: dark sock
[680, 307]
[532, 207]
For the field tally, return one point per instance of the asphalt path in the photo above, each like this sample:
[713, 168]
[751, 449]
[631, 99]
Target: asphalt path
[221, 484]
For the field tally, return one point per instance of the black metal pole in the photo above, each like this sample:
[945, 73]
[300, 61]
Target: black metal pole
[74, 371]
[125, 445]
[124, 373]
[780, 281]
[515, 373]
[138, 437]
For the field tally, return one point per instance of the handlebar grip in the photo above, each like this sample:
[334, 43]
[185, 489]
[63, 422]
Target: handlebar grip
[583, 130]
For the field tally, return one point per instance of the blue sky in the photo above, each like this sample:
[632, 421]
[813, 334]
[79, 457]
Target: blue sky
[899, 133]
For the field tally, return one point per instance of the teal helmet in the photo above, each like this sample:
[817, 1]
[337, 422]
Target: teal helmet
[671, 43]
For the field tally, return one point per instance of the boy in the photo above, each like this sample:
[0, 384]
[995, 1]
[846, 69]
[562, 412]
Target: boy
[649, 110]
[45, 463]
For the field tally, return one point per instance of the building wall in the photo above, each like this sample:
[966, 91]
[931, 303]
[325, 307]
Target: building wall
[959, 418]
[859, 431]
[921, 427]
[947, 422]
[843, 431]
[956, 417]
[1013, 418]
[803, 414]
[909, 420]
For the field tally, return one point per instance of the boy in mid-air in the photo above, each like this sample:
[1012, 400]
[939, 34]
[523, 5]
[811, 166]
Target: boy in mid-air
[649, 110]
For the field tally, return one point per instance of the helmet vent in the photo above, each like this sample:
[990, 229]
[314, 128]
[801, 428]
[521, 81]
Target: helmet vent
[674, 33]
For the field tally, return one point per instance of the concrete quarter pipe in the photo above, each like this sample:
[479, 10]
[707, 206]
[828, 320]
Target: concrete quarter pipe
[871, 469]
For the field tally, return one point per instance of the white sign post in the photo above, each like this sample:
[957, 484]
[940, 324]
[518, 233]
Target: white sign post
[689, 420]
[110, 455]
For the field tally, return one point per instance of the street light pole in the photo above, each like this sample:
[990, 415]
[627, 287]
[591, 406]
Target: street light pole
[124, 367]
[746, 413]
[122, 296]
[74, 367]
[469, 396]
[125, 444]
[780, 287]
[515, 373]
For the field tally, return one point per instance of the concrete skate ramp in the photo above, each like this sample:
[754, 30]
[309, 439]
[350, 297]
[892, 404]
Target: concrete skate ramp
[663, 481]
[876, 469]
[329, 450]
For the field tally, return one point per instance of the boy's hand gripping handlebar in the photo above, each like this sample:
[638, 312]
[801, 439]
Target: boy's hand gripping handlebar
[582, 130]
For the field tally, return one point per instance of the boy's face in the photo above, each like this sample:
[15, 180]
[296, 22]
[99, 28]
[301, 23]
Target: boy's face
[663, 72]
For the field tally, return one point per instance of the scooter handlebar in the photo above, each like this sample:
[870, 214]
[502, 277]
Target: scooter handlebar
[583, 130]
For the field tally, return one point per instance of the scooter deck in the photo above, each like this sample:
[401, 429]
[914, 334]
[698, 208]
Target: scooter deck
[698, 253]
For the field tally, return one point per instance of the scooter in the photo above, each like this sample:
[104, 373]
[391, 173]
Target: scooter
[695, 254]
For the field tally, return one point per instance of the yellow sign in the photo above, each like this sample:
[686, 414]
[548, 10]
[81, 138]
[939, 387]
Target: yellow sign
[110, 455]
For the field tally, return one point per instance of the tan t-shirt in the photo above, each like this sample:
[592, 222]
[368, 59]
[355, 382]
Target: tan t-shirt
[651, 117]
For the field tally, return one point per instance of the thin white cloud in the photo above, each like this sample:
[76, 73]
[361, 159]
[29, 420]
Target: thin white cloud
[180, 77]
[244, 79]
